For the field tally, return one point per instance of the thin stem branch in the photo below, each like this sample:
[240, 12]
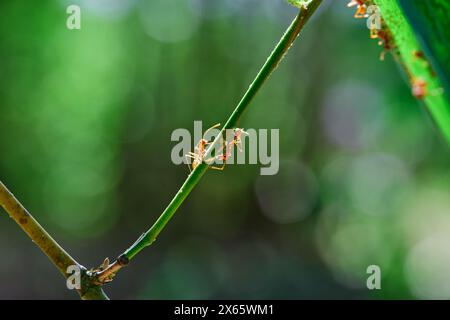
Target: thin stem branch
[192, 180]
[60, 258]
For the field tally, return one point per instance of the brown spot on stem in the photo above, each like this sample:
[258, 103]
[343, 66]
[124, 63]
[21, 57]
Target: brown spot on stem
[23, 220]
[123, 260]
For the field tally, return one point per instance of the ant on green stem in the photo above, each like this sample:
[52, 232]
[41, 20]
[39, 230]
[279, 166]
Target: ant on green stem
[236, 141]
[361, 11]
[199, 153]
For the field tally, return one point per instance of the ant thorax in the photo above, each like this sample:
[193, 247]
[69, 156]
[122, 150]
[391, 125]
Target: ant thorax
[216, 148]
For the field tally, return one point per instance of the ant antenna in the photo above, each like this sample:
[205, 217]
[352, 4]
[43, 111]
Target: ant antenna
[213, 127]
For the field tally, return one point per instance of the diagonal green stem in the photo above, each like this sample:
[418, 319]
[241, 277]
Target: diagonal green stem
[271, 64]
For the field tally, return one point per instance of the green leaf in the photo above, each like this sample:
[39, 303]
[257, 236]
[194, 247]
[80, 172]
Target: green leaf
[431, 23]
[418, 68]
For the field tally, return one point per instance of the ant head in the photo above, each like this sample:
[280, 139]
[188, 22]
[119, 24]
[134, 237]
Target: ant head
[358, 3]
[419, 88]
[420, 82]
[240, 131]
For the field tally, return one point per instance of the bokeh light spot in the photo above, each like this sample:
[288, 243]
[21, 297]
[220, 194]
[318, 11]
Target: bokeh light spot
[426, 268]
[288, 196]
[168, 20]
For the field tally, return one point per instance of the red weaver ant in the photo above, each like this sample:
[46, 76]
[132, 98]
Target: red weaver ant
[361, 10]
[200, 150]
[236, 141]
[199, 153]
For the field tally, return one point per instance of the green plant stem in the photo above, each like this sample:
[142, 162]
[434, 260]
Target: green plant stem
[406, 44]
[60, 258]
[192, 180]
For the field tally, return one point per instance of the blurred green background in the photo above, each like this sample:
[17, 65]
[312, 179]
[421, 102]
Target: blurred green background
[85, 123]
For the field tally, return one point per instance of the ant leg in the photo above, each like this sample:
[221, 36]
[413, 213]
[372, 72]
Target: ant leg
[213, 127]
[187, 162]
[239, 146]
[211, 160]
[373, 33]
[193, 155]
[222, 167]
[221, 149]
[219, 168]
[208, 161]
[360, 12]
[230, 148]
